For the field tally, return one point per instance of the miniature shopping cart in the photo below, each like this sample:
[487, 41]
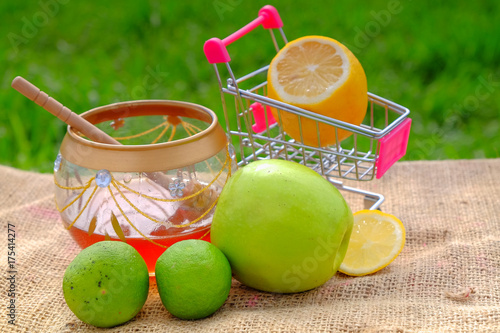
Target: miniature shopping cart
[368, 153]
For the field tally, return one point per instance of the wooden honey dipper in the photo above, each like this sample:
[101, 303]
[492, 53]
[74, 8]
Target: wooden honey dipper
[60, 111]
[74, 120]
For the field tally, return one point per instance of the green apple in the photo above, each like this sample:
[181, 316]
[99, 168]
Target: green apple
[282, 226]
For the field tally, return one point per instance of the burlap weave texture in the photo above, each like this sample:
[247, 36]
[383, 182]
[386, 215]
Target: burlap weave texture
[445, 280]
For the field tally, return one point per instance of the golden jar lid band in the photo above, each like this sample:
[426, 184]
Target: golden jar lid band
[151, 157]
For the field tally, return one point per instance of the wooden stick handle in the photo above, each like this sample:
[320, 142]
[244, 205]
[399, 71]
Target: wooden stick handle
[60, 111]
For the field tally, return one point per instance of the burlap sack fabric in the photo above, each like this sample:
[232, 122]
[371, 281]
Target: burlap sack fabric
[447, 279]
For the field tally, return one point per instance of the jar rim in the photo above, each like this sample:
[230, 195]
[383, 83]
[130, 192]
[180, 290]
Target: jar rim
[145, 157]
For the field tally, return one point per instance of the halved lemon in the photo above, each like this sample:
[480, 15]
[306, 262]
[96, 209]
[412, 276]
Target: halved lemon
[321, 75]
[377, 239]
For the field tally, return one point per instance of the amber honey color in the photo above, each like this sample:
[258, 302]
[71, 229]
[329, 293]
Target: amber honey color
[141, 222]
[148, 250]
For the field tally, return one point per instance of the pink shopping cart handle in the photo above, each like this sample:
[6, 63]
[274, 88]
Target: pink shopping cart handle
[215, 49]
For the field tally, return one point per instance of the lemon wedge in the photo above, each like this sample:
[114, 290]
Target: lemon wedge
[377, 239]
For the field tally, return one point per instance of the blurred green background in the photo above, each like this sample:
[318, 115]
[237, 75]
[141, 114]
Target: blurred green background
[438, 58]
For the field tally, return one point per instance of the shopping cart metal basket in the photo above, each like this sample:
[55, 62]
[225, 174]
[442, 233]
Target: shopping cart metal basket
[368, 153]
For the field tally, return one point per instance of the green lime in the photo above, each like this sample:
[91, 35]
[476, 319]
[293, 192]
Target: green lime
[106, 284]
[193, 278]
